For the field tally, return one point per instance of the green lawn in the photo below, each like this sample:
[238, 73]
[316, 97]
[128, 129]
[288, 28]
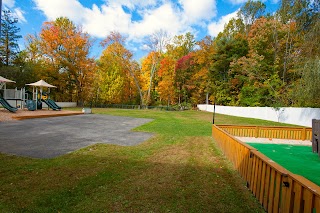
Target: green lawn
[179, 170]
[297, 159]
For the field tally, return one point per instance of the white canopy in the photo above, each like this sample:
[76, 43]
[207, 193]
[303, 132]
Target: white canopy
[2, 79]
[41, 83]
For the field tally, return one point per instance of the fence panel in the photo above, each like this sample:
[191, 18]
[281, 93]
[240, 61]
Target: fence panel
[295, 133]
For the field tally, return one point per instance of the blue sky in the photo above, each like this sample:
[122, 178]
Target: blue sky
[136, 19]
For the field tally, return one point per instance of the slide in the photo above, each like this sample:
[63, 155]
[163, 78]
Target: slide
[54, 103]
[6, 105]
[50, 104]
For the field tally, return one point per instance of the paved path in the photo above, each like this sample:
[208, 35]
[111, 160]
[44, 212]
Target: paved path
[51, 137]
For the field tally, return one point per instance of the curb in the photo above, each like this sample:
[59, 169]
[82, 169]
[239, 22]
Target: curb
[45, 116]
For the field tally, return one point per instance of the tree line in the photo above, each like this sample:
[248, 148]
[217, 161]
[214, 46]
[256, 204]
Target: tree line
[259, 59]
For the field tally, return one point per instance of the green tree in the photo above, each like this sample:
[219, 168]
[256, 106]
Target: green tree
[251, 11]
[9, 47]
[227, 49]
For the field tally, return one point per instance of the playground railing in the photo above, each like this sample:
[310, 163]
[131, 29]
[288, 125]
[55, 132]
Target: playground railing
[295, 133]
[277, 189]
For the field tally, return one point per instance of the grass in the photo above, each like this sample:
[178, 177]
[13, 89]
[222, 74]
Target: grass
[179, 170]
[297, 159]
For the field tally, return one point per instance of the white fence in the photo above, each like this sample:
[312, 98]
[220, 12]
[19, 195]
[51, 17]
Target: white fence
[17, 103]
[289, 115]
[63, 104]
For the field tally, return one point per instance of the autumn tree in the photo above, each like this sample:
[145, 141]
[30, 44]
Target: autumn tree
[157, 44]
[120, 66]
[166, 85]
[201, 75]
[65, 49]
[184, 70]
[149, 77]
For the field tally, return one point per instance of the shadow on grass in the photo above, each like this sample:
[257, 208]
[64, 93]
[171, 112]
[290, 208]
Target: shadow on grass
[177, 178]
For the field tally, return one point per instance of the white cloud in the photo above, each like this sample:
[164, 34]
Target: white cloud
[235, 2]
[216, 27]
[195, 11]
[57, 8]
[163, 17]
[16, 11]
[155, 15]
[133, 4]
[19, 14]
[100, 22]
[8, 3]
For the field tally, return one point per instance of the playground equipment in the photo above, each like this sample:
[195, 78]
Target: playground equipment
[6, 105]
[39, 96]
[3, 100]
[51, 104]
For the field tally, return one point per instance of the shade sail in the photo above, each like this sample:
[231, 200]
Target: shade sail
[41, 83]
[2, 79]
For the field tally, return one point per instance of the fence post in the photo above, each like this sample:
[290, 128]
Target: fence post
[303, 134]
[257, 132]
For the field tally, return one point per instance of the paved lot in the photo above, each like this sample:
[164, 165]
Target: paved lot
[51, 137]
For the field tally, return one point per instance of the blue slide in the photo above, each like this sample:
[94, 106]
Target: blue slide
[54, 103]
[6, 105]
[50, 105]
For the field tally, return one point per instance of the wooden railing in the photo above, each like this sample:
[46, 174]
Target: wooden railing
[277, 189]
[296, 133]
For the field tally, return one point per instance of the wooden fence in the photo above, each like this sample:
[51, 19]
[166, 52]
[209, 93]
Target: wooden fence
[277, 189]
[296, 133]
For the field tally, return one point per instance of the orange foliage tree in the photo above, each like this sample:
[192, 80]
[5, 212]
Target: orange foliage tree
[166, 87]
[64, 51]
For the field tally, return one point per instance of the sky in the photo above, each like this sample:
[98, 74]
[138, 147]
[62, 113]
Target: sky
[135, 19]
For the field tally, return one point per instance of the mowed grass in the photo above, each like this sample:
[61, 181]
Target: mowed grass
[297, 159]
[180, 169]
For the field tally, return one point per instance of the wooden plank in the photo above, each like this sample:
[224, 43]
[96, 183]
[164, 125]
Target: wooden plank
[287, 194]
[307, 184]
[297, 189]
[259, 179]
[277, 192]
[317, 204]
[244, 163]
[266, 188]
[271, 190]
[262, 184]
[307, 197]
[249, 169]
[253, 172]
[256, 171]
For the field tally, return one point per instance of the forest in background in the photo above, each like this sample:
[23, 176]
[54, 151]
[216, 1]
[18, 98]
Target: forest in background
[258, 60]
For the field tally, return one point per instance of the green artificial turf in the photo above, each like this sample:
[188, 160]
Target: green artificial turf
[297, 159]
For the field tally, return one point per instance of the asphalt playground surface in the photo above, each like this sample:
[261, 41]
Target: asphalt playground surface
[52, 137]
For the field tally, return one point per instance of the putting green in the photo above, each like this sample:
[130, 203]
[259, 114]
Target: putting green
[297, 159]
